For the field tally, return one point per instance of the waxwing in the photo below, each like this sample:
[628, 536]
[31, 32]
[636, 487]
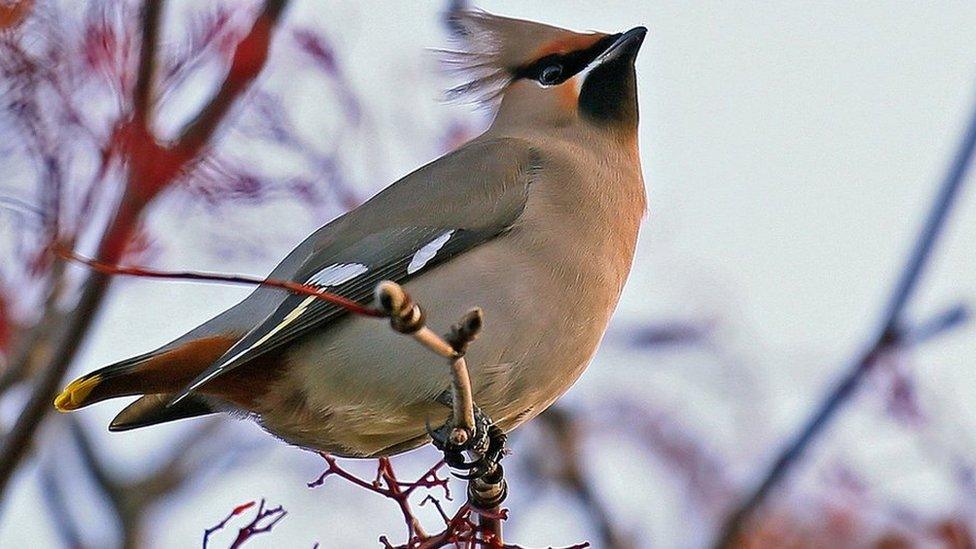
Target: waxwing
[535, 221]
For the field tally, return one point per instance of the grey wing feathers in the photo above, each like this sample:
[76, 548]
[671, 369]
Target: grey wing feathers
[394, 249]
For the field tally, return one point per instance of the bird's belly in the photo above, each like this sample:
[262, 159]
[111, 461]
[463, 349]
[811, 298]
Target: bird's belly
[361, 389]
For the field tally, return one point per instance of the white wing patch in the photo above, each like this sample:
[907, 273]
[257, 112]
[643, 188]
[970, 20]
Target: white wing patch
[425, 254]
[336, 274]
[340, 273]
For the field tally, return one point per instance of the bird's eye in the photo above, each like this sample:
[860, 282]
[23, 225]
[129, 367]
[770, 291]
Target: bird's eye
[550, 75]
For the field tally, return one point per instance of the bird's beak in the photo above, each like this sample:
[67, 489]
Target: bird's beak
[625, 46]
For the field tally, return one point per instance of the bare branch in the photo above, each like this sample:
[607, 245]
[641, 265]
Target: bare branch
[18, 441]
[129, 499]
[151, 169]
[394, 489]
[142, 99]
[270, 517]
[936, 326]
[566, 429]
[294, 287]
[887, 337]
[408, 318]
[57, 505]
[249, 58]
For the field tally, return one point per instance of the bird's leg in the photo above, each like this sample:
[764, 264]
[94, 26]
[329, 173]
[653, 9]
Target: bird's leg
[486, 443]
[453, 443]
[487, 488]
[489, 460]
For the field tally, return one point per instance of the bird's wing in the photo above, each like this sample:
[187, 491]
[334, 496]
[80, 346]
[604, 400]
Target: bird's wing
[432, 215]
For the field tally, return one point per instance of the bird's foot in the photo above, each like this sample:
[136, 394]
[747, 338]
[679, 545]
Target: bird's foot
[486, 444]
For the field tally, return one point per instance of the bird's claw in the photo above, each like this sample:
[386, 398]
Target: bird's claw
[487, 442]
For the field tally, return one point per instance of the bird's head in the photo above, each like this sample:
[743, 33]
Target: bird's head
[539, 73]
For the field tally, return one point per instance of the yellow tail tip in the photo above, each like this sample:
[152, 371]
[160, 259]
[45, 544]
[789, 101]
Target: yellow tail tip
[73, 396]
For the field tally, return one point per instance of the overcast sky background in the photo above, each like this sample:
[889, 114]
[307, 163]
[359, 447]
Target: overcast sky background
[791, 151]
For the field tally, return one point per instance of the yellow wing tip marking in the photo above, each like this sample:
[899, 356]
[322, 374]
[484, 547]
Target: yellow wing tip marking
[73, 396]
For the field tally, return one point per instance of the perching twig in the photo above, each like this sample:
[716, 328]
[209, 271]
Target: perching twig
[462, 334]
[291, 286]
[408, 318]
[888, 336]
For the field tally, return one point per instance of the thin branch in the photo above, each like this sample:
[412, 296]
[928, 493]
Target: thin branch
[387, 485]
[485, 491]
[291, 286]
[937, 325]
[888, 335]
[129, 499]
[406, 317]
[18, 441]
[270, 517]
[565, 427]
[35, 343]
[223, 523]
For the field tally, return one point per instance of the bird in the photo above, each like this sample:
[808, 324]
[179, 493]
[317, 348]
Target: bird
[535, 221]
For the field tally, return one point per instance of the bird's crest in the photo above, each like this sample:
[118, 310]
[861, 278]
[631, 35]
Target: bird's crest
[490, 49]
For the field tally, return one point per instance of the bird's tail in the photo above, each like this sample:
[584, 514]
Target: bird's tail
[163, 371]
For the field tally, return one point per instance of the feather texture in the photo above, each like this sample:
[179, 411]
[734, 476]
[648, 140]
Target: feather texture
[489, 49]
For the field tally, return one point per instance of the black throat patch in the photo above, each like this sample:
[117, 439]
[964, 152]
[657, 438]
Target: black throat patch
[609, 93]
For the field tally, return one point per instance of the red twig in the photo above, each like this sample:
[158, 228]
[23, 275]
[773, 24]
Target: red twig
[460, 530]
[291, 286]
[220, 525]
[384, 472]
[270, 517]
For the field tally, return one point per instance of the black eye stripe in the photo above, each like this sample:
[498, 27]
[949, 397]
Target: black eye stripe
[570, 63]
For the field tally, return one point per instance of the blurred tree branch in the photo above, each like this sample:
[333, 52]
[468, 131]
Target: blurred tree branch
[152, 167]
[248, 61]
[130, 499]
[59, 509]
[565, 427]
[893, 332]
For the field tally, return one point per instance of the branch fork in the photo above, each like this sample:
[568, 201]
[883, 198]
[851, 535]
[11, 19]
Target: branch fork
[408, 318]
[487, 488]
